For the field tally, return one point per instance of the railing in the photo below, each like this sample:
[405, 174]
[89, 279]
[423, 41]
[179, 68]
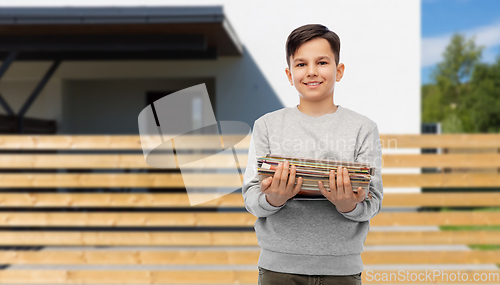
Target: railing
[43, 208]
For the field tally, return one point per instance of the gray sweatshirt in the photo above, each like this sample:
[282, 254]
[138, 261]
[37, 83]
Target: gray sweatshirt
[311, 236]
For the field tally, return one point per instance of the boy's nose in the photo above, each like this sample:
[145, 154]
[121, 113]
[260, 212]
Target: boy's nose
[312, 71]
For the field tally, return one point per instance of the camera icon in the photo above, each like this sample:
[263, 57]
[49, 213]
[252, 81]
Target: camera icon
[180, 131]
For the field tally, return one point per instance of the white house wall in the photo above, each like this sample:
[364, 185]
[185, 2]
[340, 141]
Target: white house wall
[380, 46]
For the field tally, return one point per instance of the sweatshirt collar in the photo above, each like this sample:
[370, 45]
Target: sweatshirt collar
[322, 118]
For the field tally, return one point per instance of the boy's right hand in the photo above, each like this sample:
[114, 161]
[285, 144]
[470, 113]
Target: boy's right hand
[276, 188]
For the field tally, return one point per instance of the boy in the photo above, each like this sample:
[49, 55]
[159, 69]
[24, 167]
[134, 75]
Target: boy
[312, 241]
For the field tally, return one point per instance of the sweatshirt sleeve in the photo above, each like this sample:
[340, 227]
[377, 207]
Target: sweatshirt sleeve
[255, 201]
[370, 151]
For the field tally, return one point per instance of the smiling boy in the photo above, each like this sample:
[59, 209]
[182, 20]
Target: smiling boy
[309, 241]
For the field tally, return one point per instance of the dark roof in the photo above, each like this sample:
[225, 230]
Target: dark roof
[110, 15]
[177, 32]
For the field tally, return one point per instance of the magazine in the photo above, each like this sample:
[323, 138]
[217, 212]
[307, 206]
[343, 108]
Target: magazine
[313, 170]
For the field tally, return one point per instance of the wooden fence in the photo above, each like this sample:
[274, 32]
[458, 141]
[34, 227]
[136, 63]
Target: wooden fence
[36, 213]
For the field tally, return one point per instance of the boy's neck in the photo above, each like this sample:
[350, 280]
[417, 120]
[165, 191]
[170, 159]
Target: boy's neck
[317, 109]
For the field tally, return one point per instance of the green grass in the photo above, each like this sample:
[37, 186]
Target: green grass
[483, 209]
[469, 228]
[484, 246]
[489, 209]
[474, 228]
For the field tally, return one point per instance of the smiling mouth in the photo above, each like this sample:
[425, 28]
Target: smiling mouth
[315, 84]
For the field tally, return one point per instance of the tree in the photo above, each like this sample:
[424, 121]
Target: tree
[432, 107]
[444, 101]
[483, 103]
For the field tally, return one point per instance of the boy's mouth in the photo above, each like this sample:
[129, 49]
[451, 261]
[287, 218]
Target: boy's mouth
[313, 84]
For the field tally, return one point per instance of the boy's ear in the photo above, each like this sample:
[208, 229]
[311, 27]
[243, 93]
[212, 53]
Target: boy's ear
[340, 71]
[289, 75]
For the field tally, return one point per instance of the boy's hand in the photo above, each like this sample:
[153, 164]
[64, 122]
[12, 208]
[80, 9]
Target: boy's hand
[340, 193]
[276, 188]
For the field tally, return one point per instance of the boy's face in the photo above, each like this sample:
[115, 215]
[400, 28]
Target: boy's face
[314, 61]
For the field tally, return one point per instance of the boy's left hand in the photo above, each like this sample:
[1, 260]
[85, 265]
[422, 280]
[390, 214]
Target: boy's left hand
[340, 193]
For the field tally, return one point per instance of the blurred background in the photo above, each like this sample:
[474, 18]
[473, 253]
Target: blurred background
[78, 204]
[461, 65]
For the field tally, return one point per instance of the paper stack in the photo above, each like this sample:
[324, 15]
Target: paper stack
[314, 170]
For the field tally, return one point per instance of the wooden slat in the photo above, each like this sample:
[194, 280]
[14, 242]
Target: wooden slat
[128, 257]
[476, 160]
[124, 161]
[228, 257]
[128, 277]
[112, 161]
[125, 238]
[115, 142]
[128, 219]
[230, 200]
[436, 219]
[431, 257]
[163, 180]
[115, 200]
[120, 142]
[442, 180]
[214, 180]
[441, 199]
[219, 277]
[394, 141]
[437, 237]
[225, 219]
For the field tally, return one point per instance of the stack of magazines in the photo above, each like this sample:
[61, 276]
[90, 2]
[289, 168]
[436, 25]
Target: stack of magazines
[314, 170]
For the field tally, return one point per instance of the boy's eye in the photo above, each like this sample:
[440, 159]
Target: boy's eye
[300, 64]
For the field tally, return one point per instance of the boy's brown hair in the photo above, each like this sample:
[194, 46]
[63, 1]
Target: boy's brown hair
[308, 32]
